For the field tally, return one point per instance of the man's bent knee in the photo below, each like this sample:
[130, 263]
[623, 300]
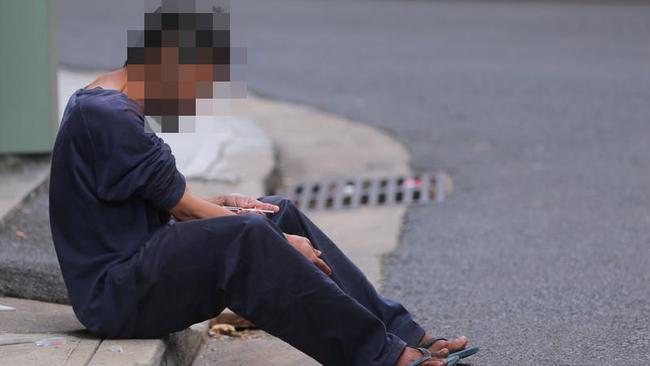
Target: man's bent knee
[277, 200]
[256, 222]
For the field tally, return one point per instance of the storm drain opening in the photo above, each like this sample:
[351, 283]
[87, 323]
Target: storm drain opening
[367, 191]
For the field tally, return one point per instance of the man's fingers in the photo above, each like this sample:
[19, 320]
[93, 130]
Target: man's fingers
[323, 266]
[246, 212]
[265, 206]
[253, 203]
[303, 245]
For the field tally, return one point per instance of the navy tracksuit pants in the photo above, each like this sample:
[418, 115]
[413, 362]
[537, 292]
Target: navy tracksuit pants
[192, 270]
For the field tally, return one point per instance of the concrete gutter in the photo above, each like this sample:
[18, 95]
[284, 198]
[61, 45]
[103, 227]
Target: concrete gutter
[313, 145]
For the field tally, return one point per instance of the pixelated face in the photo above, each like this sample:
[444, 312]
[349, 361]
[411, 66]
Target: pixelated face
[179, 57]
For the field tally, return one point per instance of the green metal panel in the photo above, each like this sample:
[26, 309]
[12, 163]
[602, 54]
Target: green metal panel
[28, 104]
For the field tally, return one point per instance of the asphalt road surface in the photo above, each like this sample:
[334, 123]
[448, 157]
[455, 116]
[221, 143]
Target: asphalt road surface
[540, 111]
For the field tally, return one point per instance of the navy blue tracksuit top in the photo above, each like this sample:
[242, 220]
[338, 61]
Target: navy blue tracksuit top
[111, 186]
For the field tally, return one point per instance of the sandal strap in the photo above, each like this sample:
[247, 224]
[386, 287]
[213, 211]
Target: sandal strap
[453, 360]
[426, 356]
[465, 352]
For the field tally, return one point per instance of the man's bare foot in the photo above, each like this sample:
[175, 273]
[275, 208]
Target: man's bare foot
[452, 346]
[411, 354]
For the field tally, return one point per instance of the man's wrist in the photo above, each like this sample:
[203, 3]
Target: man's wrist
[217, 200]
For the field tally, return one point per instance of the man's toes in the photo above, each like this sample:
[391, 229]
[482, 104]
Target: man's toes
[439, 345]
[453, 345]
[457, 344]
[436, 363]
[442, 353]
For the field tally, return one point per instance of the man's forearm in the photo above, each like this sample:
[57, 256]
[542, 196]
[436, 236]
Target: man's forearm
[193, 208]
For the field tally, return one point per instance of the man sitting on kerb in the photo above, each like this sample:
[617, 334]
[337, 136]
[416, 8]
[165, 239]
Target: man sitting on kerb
[143, 257]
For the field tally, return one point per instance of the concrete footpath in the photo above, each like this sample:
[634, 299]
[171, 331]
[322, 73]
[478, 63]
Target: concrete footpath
[34, 333]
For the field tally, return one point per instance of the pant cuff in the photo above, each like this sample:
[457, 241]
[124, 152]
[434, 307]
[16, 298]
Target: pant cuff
[411, 333]
[396, 348]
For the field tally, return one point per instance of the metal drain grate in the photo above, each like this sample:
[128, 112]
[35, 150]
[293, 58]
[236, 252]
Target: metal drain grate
[358, 192]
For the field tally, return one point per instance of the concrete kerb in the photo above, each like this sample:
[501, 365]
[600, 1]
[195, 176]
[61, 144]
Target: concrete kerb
[19, 183]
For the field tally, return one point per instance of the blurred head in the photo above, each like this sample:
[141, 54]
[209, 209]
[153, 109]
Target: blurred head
[178, 58]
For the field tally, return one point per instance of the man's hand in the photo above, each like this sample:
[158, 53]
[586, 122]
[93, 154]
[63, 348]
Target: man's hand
[242, 201]
[303, 245]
